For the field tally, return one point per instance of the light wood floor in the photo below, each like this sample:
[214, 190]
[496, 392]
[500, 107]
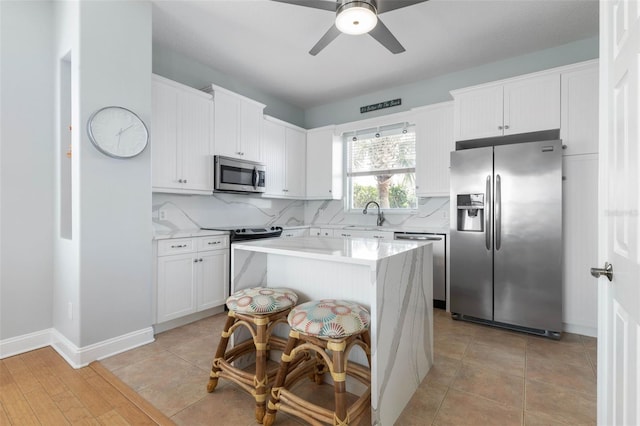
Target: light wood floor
[40, 388]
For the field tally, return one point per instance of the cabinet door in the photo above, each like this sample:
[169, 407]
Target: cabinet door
[273, 147]
[579, 111]
[289, 233]
[478, 113]
[251, 118]
[195, 137]
[295, 154]
[580, 218]
[532, 104]
[227, 125]
[176, 286]
[434, 143]
[164, 151]
[213, 279]
[323, 165]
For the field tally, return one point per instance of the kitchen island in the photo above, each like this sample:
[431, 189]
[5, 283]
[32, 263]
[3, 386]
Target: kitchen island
[392, 279]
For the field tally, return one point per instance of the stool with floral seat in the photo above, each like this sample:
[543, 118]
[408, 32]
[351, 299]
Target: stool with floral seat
[330, 328]
[258, 310]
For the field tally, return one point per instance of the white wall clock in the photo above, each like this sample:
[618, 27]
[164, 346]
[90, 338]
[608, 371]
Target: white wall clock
[117, 132]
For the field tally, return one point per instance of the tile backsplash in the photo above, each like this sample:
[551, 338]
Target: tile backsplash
[172, 212]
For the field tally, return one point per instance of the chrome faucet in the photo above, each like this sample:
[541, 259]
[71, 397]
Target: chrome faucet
[380, 220]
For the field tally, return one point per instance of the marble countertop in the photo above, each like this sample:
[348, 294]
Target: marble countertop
[390, 228]
[186, 233]
[346, 250]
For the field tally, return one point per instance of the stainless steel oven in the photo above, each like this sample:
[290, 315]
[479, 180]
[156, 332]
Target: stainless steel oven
[235, 175]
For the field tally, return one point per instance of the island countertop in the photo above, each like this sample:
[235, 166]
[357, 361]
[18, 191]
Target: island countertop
[363, 251]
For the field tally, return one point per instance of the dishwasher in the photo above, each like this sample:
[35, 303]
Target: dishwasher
[439, 243]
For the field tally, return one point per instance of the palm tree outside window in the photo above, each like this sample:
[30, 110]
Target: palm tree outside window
[381, 166]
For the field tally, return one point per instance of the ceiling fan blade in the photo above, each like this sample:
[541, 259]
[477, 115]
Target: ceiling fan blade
[387, 5]
[327, 38]
[382, 34]
[329, 5]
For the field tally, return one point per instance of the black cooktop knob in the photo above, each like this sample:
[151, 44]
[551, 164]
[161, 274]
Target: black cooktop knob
[244, 230]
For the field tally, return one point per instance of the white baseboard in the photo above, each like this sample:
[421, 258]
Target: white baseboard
[188, 319]
[25, 343]
[580, 329]
[75, 356]
[81, 357]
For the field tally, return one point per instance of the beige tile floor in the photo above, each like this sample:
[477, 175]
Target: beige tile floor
[481, 376]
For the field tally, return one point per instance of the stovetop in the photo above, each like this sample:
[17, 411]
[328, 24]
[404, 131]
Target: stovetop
[248, 232]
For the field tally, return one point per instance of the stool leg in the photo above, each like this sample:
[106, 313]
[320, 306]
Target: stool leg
[260, 379]
[339, 387]
[222, 348]
[270, 415]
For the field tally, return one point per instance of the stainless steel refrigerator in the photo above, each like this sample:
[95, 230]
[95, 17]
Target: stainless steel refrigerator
[506, 236]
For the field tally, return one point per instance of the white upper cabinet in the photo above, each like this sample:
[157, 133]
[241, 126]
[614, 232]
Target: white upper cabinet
[579, 114]
[181, 138]
[521, 105]
[284, 154]
[434, 143]
[238, 127]
[324, 164]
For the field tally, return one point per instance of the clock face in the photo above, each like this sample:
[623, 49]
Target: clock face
[117, 132]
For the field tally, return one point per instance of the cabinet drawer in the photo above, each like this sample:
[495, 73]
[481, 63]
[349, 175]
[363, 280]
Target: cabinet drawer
[175, 246]
[213, 243]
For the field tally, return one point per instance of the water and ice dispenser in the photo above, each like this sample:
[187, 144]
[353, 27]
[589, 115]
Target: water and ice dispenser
[470, 212]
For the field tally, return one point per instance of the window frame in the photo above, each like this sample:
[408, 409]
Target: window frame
[347, 183]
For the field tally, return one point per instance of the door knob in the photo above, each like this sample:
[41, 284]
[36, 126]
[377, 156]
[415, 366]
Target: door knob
[607, 271]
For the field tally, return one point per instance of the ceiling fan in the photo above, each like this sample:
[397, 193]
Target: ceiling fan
[357, 17]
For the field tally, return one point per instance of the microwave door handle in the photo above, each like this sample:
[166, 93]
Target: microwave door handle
[254, 180]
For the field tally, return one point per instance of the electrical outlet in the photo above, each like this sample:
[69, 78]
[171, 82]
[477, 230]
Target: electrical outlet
[162, 214]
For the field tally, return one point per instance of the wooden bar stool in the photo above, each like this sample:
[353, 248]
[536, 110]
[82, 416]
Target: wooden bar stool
[258, 310]
[330, 328]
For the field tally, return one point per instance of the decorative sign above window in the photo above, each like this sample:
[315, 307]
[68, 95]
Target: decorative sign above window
[380, 105]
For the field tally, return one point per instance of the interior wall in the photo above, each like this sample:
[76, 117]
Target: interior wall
[437, 89]
[188, 71]
[66, 251]
[26, 167]
[115, 194]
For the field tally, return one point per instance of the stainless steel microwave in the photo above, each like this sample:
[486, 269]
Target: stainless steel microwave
[236, 175]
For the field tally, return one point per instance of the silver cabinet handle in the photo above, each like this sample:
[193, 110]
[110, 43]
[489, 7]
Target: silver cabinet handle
[498, 212]
[179, 180]
[195, 260]
[506, 126]
[179, 246]
[500, 127]
[607, 271]
[200, 260]
[487, 214]
[212, 243]
[184, 181]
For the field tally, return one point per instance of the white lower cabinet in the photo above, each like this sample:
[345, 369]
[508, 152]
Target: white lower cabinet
[378, 235]
[321, 232]
[289, 233]
[192, 275]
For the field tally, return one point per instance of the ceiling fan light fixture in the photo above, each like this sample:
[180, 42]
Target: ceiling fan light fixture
[356, 17]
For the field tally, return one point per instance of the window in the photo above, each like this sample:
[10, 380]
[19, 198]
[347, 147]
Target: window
[381, 167]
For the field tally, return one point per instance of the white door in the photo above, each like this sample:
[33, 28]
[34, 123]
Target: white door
[619, 228]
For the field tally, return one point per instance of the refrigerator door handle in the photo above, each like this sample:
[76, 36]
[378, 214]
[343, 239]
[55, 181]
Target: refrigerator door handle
[498, 212]
[487, 214]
